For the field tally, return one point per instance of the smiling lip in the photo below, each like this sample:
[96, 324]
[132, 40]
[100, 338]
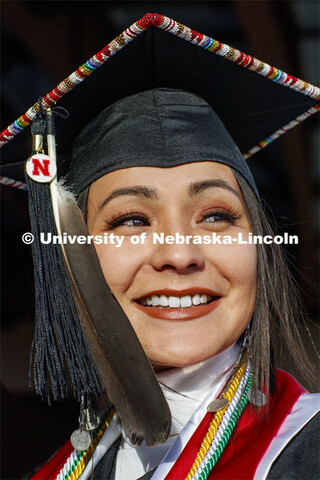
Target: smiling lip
[169, 313]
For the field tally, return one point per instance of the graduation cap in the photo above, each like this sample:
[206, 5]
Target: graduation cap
[251, 101]
[256, 103]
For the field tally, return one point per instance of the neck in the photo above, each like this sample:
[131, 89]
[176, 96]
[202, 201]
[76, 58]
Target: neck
[186, 388]
[201, 376]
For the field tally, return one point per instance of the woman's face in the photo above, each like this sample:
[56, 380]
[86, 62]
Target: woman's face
[206, 291]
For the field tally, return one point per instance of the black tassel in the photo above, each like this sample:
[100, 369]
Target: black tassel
[58, 340]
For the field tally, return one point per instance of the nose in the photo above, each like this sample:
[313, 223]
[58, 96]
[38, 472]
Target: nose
[181, 257]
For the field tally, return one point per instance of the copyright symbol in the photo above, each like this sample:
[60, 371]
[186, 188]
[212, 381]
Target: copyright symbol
[27, 238]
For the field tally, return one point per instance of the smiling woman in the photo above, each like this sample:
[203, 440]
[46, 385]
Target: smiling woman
[202, 295]
[167, 337]
[207, 315]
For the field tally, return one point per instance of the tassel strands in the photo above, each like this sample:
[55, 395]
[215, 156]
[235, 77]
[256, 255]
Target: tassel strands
[58, 335]
[78, 310]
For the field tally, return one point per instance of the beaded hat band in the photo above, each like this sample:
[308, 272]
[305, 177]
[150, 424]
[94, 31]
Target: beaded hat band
[303, 102]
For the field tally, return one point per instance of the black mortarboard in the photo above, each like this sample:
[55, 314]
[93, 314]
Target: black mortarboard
[157, 128]
[255, 101]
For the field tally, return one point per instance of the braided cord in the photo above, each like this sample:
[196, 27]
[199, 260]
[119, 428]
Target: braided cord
[214, 425]
[180, 30]
[225, 424]
[227, 434]
[77, 462]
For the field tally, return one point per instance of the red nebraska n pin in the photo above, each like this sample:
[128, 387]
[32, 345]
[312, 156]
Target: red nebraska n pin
[41, 168]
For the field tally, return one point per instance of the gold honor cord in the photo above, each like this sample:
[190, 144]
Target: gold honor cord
[214, 425]
[83, 458]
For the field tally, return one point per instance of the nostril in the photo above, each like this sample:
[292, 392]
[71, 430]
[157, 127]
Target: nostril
[167, 267]
[192, 266]
[179, 258]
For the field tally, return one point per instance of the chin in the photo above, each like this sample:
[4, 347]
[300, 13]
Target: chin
[181, 357]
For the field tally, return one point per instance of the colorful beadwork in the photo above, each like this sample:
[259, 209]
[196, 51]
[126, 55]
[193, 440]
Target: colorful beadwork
[78, 461]
[176, 28]
[13, 183]
[282, 130]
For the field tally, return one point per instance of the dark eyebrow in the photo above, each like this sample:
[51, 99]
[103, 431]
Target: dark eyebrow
[198, 187]
[136, 190]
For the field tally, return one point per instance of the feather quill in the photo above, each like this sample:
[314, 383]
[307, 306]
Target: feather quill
[121, 361]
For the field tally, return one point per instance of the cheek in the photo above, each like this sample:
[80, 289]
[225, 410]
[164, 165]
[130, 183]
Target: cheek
[238, 266]
[120, 264]
[241, 265]
[243, 279]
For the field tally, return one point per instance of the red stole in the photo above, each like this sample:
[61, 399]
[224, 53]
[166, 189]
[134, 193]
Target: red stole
[241, 456]
[249, 440]
[51, 469]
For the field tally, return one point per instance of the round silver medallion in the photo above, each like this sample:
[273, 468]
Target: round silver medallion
[218, 404]
[80, 440]
[256, 397]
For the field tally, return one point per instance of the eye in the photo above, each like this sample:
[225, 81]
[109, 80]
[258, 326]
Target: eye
[219, 216]
[133, 222]
[128, 220]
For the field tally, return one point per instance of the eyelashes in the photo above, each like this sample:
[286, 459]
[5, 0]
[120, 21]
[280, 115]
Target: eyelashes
[128, 220]
[220, 216]
[135, 219]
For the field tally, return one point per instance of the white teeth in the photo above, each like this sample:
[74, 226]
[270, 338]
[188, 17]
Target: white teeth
[196, 299]
[174, 302]
[186, 301]
[203, 298]
[164, 301]
[155, 300]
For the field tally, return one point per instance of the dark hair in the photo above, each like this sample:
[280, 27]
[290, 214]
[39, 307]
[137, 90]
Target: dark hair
[277, 316]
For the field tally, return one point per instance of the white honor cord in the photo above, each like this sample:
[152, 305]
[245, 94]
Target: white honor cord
[224, 422]
[191, 426]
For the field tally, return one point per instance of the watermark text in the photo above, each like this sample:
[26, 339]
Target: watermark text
[162, 239]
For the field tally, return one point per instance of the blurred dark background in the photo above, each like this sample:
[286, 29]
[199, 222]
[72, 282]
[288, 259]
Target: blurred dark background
[42, 43]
